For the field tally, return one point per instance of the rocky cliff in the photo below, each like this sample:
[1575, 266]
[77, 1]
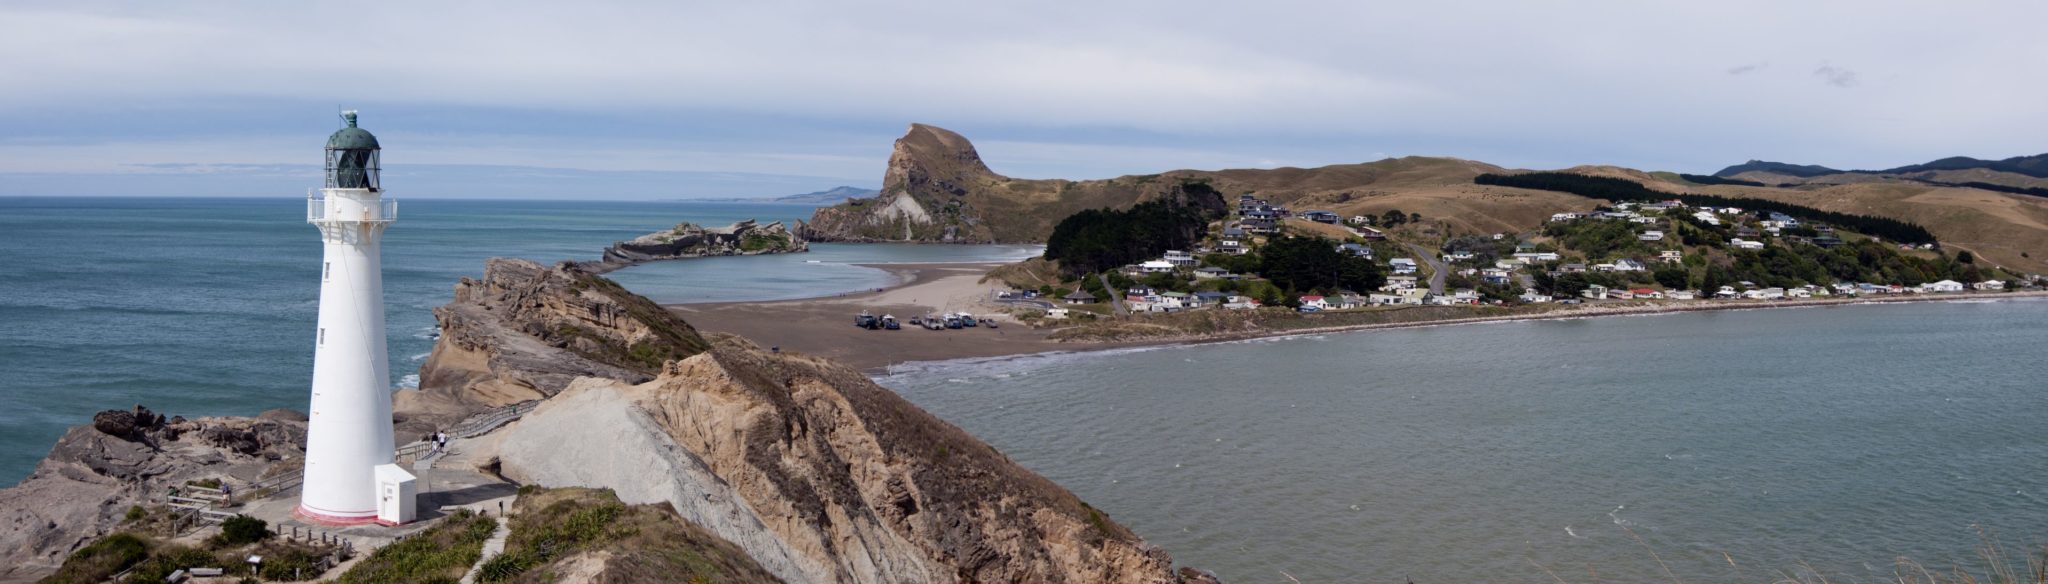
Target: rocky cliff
[689, 240]
[81, 490]
[822, 476]
[524, 331]
[818, 473]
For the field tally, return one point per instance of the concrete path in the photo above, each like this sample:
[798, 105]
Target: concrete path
[496, 544]
[1116, 300]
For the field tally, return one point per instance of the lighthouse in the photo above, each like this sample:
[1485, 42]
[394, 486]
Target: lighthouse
[350, 476]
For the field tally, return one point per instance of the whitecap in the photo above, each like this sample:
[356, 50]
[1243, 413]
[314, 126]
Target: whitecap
[419, 357]
[409, 382]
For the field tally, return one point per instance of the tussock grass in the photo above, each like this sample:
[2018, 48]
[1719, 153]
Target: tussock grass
[439, 554]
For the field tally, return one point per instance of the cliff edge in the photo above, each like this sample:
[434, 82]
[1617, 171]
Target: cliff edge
[689, 240]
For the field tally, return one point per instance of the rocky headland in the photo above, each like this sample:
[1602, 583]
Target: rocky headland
[813, 471]
[96, 471]
[689, 240]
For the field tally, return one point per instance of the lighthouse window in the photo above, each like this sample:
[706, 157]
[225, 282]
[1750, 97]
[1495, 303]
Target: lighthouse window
[323, 335]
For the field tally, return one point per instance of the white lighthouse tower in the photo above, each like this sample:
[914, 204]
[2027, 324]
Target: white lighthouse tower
[349, 451]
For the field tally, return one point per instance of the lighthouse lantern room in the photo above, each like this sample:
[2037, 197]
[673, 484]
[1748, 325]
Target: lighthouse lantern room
[348, 428]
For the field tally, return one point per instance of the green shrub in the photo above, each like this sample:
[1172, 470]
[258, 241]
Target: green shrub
[135, 513]
[240, 530]
[439, 554]
[101, 559]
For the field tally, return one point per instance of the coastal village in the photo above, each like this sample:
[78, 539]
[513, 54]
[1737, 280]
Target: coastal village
[1629, 251]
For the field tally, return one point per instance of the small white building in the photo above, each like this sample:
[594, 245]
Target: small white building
[1179, 257]
[1989, 285]
[1942, 286]
[1651, 235]
[1155, 267]
[1671, 256]
[1741, 243]
[1403, 265]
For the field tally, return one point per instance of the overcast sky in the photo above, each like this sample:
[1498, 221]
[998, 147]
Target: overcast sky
[663, 100]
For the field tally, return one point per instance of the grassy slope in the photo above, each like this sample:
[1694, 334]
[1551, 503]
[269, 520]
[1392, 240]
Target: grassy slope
[1995, 226]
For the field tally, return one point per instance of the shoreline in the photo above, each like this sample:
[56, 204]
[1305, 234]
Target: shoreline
[819, 326]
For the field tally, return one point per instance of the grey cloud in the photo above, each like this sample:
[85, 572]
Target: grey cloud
[1836, 76]
[1749, 68]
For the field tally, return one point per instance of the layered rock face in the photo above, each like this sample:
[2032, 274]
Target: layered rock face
[823, 476]
[524, 331]
[688, 240]
[80, 491]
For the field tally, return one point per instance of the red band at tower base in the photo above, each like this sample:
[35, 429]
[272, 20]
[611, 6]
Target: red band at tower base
[305, 514]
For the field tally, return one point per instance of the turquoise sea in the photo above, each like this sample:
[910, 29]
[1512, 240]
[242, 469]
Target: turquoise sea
[206, 306]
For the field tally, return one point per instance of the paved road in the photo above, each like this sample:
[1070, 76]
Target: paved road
[1437, 268]
[1116, 300]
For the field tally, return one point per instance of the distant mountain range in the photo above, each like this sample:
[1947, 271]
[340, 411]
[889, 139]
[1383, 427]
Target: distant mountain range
[2035, 166]
[831, 196]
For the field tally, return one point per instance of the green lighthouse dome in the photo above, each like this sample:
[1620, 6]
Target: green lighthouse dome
[352, 137]
[352, 157]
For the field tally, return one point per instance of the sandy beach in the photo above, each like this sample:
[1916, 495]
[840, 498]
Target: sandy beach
[824, 326]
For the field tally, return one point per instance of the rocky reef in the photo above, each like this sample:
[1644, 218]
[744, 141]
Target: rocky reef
[689, 240]
[130, 457]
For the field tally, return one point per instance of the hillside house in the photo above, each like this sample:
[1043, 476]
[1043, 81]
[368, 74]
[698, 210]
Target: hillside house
[1156, 267]
[1495, 276]
[1707, 217]
[1572, 269]
[1533, 296]
[1179, 257]
[1402, 265]
[1231, 246]
[1651, 235]
[1355, 250]
[1564, 216]
[1740, 243]
[1619, 294]
[1371, 234]
[1212, 272]
[1628, 265]
[1680, 294]
[1671, 256]
[1079, 297]
[1321, 216]
[1241, 303]
[1399, 283]
[1530, 257]
[1989, 285]
[1595, 292]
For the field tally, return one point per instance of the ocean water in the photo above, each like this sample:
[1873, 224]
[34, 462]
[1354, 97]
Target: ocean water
[207, 306]
[1734, 445]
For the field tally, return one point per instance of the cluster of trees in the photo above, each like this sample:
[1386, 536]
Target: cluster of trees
[1618, 190]
[1100, 239]
[1708, 179]
[1394, 218]
[1313, 263]
[1784, 267]
[1596, 239]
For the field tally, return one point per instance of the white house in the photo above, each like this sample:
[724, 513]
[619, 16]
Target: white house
[1942, 286]
[1315, 303]
[1989, 285]
[1398, 283]
[1240, 303]
[1402, 265]
[1671, 256]
[1179, 258]
[1532, 296]
[1707, 217]
[1679, 294]
[1383, 298]
[1563, 216]
[1651, 235]
[1596, 292]
[1056, 312]
[1741, 243]
[1628, 265]
[1530, 257]
[1155, 267]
